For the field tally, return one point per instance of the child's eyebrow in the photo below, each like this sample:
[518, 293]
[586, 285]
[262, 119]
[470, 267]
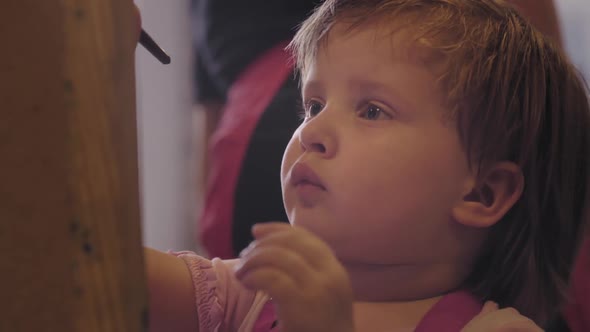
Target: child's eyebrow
[368, 87]
[363, 87]
[315, 86]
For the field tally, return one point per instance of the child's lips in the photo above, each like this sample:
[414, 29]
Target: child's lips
[303, 176]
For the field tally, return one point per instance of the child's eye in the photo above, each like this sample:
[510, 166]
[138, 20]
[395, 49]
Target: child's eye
[373, 112]
[312, 108]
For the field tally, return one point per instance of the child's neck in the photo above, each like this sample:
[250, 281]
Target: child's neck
[391, 316]
[404, 283]
[398, 296]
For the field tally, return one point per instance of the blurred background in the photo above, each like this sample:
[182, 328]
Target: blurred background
[167, 128]
[171, 130]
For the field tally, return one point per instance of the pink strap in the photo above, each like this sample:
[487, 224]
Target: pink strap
[247, 99]
[451, 313]
[267, 320]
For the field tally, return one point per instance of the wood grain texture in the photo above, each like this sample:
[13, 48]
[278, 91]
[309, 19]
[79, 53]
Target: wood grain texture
[69, 207]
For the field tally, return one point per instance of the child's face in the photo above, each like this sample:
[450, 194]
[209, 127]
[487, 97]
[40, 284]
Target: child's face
[390, 167]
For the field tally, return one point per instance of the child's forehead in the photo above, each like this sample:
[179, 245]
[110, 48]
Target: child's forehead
[385, 42]
[372, 60]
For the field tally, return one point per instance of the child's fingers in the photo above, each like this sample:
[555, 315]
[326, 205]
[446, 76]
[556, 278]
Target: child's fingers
[264, 229]
[274, 282]
[488, 307]
[509, 319]
[309, 246]
[279, 258]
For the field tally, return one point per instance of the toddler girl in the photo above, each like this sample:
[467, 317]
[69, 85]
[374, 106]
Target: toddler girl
[442, 162]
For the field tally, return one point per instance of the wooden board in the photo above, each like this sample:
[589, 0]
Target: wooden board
[71, 257]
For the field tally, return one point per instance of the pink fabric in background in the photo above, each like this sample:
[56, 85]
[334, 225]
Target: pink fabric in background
[247, 99]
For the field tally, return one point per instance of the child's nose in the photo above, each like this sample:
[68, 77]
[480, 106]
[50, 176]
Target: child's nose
[318, 136]
[314, 147]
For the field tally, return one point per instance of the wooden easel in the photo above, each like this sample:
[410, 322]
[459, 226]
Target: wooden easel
[70, 245]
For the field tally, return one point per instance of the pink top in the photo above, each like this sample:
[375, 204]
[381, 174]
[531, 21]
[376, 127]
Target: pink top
[224, 305]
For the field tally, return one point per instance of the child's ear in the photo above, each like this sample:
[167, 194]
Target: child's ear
[485, 204]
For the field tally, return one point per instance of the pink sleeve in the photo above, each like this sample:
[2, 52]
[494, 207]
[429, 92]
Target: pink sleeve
[222, 303]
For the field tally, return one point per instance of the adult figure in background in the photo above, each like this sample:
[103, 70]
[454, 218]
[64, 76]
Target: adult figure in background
[246, 87]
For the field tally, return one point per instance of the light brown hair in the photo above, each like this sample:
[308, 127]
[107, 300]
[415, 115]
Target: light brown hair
[516, 97]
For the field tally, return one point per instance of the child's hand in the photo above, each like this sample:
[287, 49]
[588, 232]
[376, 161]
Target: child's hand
[492, 319]
[309, 286]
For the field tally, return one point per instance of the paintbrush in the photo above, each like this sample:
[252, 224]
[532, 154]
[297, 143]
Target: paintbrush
[146, 41]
